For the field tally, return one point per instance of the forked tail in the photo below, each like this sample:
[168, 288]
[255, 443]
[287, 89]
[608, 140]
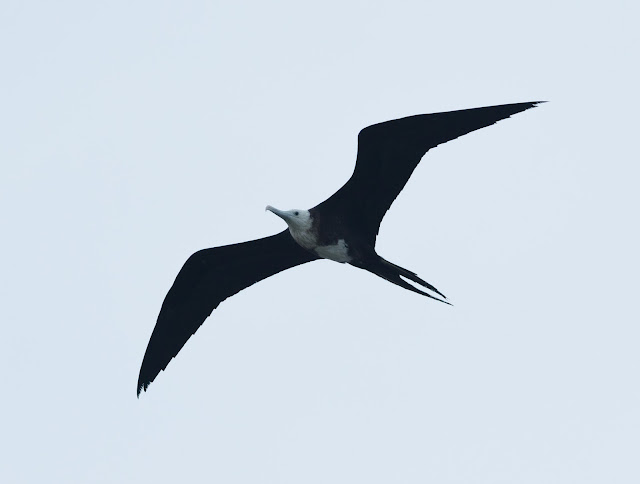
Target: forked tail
[392, 273]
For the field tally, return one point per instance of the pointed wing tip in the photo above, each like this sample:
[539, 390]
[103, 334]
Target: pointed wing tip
[524, 106]
[510, 110]
[146, 378]
[142, 388]
[516, 108]
[143, 382]
[533, 104]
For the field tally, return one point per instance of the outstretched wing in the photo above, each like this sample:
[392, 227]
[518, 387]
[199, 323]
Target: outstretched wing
[389, 152]
[207, 278]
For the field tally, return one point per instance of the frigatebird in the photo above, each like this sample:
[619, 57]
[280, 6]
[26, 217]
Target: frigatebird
[343, 228]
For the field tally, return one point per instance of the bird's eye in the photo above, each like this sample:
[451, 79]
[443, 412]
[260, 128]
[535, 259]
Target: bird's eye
[296, 213]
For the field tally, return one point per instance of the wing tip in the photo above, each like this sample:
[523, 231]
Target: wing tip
[524, 106]
[141, 386]
[509, 110]
[535, 104]
[144, 380]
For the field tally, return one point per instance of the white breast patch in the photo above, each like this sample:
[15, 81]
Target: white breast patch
[338, 252]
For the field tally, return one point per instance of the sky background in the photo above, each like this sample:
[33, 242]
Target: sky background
[135, 133]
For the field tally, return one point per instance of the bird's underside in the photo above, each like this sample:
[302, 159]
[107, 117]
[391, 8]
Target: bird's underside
[343, 228]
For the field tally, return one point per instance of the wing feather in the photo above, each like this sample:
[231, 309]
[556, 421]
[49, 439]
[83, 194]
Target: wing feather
[389, 152]
[207, 278]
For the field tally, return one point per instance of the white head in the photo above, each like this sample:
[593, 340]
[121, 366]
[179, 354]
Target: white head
[298, 220]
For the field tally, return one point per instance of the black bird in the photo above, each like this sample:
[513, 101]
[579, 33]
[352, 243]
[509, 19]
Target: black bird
[343, 228]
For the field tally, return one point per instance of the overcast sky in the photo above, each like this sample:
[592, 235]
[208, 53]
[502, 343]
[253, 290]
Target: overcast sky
[135, 133]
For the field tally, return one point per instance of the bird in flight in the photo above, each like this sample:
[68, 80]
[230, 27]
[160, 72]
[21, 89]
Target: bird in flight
[343, 228]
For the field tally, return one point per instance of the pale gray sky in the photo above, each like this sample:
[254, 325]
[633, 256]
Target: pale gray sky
[135, 133]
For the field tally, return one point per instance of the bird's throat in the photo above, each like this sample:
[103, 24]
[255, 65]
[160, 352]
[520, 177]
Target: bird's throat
[305, 238]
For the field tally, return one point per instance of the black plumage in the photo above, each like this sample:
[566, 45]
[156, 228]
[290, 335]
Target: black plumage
[345, 226]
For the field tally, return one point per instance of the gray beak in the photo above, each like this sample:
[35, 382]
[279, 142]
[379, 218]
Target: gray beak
[279, 213]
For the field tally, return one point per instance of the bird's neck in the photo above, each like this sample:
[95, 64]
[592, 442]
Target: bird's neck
[304, 236]
[304, 231]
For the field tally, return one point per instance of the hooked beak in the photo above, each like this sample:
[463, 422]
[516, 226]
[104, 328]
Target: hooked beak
[279, 213]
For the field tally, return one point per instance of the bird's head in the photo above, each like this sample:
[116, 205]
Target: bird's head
[298, 220]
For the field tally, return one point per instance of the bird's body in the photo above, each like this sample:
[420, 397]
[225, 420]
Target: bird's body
[338, 252]
[343, 229]
[327, 241]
